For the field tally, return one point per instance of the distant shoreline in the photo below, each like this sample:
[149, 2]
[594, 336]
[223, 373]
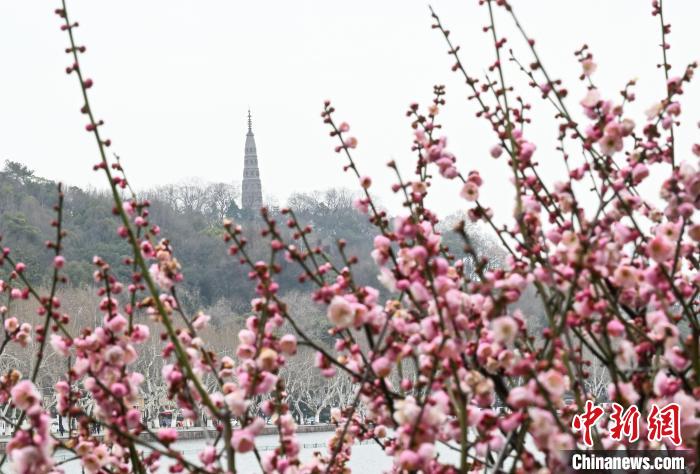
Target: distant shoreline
[186, 434]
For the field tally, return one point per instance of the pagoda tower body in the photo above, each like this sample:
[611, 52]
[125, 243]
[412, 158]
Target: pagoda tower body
[252, 190]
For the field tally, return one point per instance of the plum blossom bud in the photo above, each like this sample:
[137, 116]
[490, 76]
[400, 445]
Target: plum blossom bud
[625, 276]
[654, 111]
[470, 191]
[336, 415]
[118, 389]
[243, 440]
[288, 344]
[147, 249]
[694, 232]
[23, 336]
[25, 395]
[591, 99]
[409, 460]
[167, 435]
[696, 149]
[267, 359]
[505, 329]
[208, 455]
[382, 243]
[589, 67]
[660, 249]
[520, 397]
[245, 351]
[133, 418]
[11, 325]
[554, 382]
[114, 355]
[496, 151]
[246, 336]
[382, 367]
[639, 172]
[361, 205]
[340, 312]
[117, 323]
[387, 279]
[201, 321]
[615, 328]
[627, 126]
[266, 383]
[59, 261]
[59, 344]
[236, 402]
[140, 333]
[419, 292]
[267, 407]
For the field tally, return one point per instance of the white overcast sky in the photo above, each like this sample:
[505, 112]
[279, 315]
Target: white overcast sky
[174, 79]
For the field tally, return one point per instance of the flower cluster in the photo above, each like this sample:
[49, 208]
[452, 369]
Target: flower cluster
[30, 448]
[442, 355]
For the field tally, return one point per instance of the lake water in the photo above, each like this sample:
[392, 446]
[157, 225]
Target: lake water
[366, 458]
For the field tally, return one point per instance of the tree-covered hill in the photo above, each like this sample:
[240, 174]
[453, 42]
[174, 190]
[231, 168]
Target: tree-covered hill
[189, 215]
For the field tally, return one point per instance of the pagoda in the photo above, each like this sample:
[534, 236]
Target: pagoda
[252, 190]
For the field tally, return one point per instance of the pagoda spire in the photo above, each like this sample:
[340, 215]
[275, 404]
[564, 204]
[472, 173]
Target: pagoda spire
[252, 189]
